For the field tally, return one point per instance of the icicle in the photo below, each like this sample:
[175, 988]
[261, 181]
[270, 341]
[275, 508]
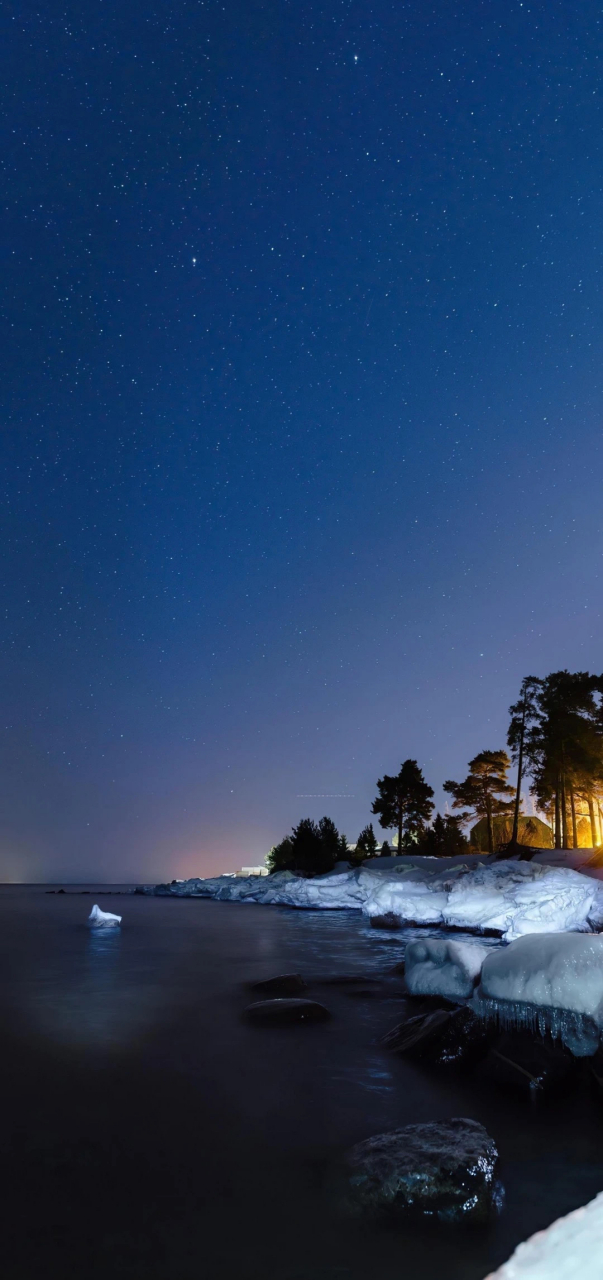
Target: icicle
[579, 1033]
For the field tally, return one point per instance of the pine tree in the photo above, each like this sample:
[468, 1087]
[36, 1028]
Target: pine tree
[481, 791]
[524, 718]
[444, 839]
[564, 748]
[366, 846]
[404, 802]
[312, 849]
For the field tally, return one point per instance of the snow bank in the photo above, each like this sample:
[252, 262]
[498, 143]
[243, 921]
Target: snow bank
[442, 967]
[509, 898]
[548, 970]
[549, 983]
[570, 1249]
[103, 919]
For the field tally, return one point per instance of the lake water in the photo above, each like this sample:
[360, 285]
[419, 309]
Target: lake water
[149, 1132]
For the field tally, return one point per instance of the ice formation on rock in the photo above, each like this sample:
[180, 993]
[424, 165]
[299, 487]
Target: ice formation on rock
[545, 969]
[510, 898]
[550, 983]
[443, 967]
[570, 1249]
[103, 919]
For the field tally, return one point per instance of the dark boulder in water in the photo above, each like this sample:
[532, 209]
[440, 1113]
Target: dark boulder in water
[443, 1172]
[284, 1012]
[285, 984]
[529, 1064]
[386, 921]
[441, 1038]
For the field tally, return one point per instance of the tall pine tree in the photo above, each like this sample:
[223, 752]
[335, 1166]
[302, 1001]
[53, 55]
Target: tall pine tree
[404, 802]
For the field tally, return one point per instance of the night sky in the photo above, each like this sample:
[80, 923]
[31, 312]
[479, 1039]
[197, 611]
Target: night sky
[302, 339]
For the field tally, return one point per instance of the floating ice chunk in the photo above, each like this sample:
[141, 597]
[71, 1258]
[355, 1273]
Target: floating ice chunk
[439, 967]
[103, 919]
[570, 1249]
[553, 970]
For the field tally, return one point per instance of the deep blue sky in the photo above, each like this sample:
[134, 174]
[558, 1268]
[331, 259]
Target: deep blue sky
[302, 346]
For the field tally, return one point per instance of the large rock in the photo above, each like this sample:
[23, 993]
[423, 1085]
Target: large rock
[281, 1012]
[441, 1038]
[444, 1171]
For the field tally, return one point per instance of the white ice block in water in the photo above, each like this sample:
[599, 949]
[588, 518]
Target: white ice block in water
[551, 970]
[570, 1249]
[442, 967]
[103, 919]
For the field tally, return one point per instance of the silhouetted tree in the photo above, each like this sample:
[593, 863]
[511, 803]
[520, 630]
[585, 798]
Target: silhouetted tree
[444, 839]
[280, 857]
[404, 802]
[366, 846]
[524, 718]
[564, 748]
[386, 850]
[482, 789]
[312, 848]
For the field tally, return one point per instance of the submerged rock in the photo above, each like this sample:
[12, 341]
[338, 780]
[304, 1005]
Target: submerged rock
[441, 1038]
[442, 1171]
[529, 1065]
[282, 1012]
[285, 984]
[103, 919]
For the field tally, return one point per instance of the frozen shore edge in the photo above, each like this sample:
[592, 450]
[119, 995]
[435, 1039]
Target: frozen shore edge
[505, 898]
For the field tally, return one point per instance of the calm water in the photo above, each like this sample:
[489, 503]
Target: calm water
[149, 1132]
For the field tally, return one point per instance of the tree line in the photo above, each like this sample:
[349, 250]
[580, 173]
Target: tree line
[555, 738]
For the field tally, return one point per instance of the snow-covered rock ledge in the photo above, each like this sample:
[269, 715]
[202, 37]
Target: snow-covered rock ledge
[508, 898]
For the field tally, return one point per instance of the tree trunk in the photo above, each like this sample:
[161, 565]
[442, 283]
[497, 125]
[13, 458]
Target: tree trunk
[519, 774]
[490, 825]
[564, 844]
[573, 812]
[557, 817]
[593, 826]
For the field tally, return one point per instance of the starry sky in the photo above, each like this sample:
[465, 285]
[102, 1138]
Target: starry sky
[301, 399]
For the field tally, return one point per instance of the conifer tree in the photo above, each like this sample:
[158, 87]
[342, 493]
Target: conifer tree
[564, 748]
[366, 845]
[444, 839]
[312, 849]
[524, 718]
[404, 802]
[482, 789]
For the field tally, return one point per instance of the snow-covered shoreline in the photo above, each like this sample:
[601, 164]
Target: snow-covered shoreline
[509, 898]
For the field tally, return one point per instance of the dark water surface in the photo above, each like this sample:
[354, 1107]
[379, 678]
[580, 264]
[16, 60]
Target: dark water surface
[149, 1132]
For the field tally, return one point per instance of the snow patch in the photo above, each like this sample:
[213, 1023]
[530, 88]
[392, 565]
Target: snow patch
[439, 967]
[570, 1249]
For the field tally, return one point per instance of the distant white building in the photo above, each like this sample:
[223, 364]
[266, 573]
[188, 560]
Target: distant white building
[252, 871]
